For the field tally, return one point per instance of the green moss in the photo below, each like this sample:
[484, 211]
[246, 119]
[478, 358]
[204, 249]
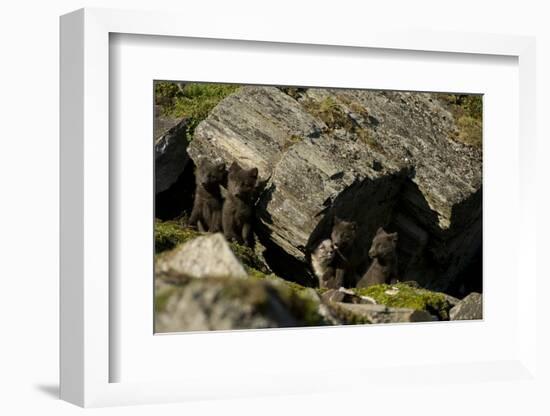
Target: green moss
[409, 297]
[348, 317]
[366, 137]
[165, 94]
[193, 101]
[248, 258]
[301, 303]
[291, 285]
[308, 309]
[291, 141]
[161, 298]
[467, 110]
[247, 292]
[469, 131]
[169, 234]
[330, 113]
[294, 92]
[358, 108]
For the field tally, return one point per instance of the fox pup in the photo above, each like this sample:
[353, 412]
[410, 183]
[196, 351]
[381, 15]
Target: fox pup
[322, 263]
[383, 268]
[207, 206]
[238, 208]
[348, 256]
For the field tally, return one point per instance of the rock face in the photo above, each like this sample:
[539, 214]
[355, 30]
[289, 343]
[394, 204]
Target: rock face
[471, 307]
[379, 158]
[205, 256]
[170, 151]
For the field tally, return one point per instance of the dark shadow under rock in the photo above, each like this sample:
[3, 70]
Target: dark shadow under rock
[178, 198]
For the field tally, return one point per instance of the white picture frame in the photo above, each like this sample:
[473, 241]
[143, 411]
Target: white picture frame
[85, 353]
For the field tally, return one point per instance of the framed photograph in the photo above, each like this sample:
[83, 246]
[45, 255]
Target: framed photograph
[285, 213]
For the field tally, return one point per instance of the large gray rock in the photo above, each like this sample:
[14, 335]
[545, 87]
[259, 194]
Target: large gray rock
[380, 158]
[221, 304]
[170, 151]
[471, 307]
[204, 256]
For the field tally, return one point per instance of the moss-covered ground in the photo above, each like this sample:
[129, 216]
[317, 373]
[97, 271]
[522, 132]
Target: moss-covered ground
[168, 234]
[402, 295]
[193, 101]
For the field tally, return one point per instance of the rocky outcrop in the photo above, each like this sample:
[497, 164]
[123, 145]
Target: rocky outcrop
[170, 151]
[204, 256]
[380, 158]
[471, 307]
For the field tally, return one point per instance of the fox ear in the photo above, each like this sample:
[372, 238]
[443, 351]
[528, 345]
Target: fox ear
[234, 167]
[254, 172]
[220, 166]
[379, 231]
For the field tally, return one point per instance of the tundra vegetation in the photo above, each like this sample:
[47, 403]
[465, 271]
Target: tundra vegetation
[408, 162]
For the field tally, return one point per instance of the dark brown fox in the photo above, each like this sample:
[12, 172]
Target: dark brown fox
[207, 206]
[348, 256]
[383, 268]
[238, 208]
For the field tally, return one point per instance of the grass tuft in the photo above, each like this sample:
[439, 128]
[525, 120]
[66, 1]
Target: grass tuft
[468, 113]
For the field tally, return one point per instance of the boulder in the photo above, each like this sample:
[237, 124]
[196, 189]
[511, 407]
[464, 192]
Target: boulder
[204, 256]
[471, 307]
[221, 304]
[379, 158]
[170, 151]
[377, 314]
